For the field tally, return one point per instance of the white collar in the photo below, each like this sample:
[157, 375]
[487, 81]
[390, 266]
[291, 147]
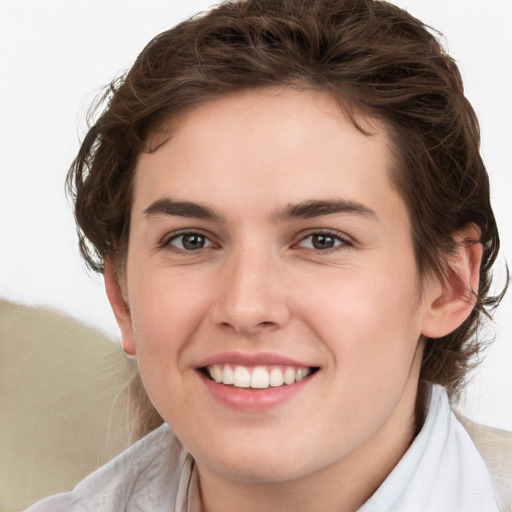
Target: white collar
[441, 472]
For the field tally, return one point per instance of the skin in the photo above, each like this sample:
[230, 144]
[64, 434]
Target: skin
[259, 285]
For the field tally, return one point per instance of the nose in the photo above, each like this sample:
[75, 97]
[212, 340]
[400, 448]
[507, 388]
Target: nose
[252, 295]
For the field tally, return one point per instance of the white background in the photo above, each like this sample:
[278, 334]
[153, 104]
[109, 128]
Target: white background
[56, 55]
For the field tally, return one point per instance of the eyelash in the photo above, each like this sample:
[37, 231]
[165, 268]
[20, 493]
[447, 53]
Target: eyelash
[168, 242]
[339, 240]
[343, 241]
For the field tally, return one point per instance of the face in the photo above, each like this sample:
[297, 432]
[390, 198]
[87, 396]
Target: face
[271, 288]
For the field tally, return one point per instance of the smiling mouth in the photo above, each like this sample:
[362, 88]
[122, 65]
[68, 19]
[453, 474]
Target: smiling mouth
[256, 377]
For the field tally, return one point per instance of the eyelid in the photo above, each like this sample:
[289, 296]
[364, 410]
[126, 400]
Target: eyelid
[345, 240]
[169, 237]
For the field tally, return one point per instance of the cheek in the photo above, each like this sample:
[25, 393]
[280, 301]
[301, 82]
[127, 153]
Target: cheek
[368, 321]
[370, 329]
[164, 314]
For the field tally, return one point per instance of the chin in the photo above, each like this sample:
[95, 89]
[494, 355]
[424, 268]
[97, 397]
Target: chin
[259, 471]
[255, 462]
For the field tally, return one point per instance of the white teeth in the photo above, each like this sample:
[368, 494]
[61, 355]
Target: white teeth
[289, 375]
[241, 377]
[228, 376]
[217, 373]
[258, 377]
[276, 377]
[302, 373]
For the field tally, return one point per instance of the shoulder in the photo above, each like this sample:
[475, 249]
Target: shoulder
[137, 476]
[495, 448]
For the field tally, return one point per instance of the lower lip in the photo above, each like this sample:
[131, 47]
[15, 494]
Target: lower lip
[254, 400]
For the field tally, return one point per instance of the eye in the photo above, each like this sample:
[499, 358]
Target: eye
[322, 241]
[189, 241]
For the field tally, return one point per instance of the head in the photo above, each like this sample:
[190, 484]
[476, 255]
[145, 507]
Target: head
[376, 61]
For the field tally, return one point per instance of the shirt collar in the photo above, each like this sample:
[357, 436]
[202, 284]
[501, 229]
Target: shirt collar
[442, 470]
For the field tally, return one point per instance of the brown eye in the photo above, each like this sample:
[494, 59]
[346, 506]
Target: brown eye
[190, 241]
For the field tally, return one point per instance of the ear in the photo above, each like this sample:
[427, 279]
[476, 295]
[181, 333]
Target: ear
[451, 299]
[120, 307]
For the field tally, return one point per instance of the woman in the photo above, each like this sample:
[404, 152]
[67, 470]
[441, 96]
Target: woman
[288, 205]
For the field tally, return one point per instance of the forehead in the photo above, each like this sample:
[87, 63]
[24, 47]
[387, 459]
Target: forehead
[259, 145]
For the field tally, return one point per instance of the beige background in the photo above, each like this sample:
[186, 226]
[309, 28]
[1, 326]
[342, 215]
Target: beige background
[62, 406]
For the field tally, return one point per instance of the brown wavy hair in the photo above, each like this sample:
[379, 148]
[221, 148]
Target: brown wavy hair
[375, 58]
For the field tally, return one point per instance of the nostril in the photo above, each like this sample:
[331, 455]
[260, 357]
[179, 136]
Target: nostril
[265, 326]
[259, 326]
[227, 326]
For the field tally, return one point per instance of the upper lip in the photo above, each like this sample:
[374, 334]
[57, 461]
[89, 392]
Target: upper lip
[252, 359]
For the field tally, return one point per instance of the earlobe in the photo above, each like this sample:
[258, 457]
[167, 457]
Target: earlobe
[451, 300]
[120, 307]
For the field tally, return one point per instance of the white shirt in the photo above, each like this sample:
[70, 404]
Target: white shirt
[442, 471]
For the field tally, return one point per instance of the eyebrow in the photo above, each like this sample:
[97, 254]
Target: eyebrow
[303, 210]
[318, 208]
[182, 209]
